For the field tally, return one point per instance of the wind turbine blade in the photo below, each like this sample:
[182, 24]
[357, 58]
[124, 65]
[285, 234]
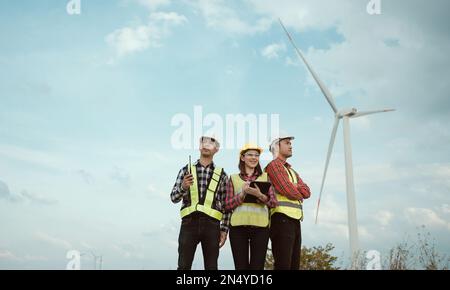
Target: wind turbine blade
[365, 113]
[330, 150]
[323, 88]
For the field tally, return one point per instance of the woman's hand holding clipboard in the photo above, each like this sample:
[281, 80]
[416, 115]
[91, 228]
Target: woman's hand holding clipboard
[257, 190]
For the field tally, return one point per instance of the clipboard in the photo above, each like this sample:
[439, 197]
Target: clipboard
[263, 187]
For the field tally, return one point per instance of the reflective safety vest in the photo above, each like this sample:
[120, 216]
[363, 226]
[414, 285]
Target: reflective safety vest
[207, 204]
[249, 214]
[291, 208]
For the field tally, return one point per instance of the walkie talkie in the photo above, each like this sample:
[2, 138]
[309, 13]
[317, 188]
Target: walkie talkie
[189, 168]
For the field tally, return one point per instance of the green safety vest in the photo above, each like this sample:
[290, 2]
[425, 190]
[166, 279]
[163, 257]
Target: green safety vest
[249, 214]
[207, 205]
[286, 206]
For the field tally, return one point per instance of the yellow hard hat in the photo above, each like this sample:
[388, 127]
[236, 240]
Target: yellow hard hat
[250, 146]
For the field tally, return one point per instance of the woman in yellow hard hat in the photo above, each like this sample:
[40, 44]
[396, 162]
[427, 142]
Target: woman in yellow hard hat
[249, 231]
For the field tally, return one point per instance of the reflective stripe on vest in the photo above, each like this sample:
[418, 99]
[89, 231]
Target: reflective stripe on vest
[291, 208]
[207, 206]
[249, 214]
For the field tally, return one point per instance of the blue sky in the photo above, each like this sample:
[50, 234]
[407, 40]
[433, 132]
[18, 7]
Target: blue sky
[87, 101]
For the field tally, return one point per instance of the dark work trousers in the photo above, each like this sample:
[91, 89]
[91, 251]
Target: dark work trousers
[249, 247]
[286, 237]
[198, 228]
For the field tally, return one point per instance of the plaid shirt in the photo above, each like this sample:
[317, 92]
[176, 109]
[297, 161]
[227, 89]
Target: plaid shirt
[204, 174]
[282, 184]
[233, 200]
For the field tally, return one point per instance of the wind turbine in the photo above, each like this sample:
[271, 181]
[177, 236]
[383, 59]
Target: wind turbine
[345, 115]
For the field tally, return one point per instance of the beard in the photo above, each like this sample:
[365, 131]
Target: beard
[206, 152]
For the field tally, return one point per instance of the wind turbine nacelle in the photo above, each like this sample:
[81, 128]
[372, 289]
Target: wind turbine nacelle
[347, 112]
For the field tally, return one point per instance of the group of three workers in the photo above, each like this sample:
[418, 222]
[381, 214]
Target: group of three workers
[213, 204]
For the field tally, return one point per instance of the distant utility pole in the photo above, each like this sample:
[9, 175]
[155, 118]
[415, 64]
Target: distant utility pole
[101, 262]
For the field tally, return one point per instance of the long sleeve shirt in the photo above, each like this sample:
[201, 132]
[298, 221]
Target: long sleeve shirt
[234, 200]
[204, 174]
[282, 184]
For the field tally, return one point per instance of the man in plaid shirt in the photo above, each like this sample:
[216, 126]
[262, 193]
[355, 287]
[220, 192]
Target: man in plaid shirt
[285, 227]
[204, 219]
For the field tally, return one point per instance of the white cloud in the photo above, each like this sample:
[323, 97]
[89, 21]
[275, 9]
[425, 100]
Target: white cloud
[361, 123]
[87, 177]
[151, 188]
[54, 241]
[427, 217]
[384, 217]
[362, 65]
[170, 17]
[7, 255]
[445, 208]
[10, 256]
[24, 196]
[35, 258]
[331, 211]
[37, 157]
[222, 17]
[154, 4]
[272, 50]
[290, 62]
[121, 176]
[318, 119]
[333, 216]
[5, 193]
[332, 224]
[129, 250]
[160, 157]
[436, 177]
[302, 14]
[368, 174]
[86, 245]
[235, 44]
[155, 192]
[128, 40]
[164, 233]
[37, 199]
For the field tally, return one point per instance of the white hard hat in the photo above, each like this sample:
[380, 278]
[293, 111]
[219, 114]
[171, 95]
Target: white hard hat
[212, 138]
[278, 138]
